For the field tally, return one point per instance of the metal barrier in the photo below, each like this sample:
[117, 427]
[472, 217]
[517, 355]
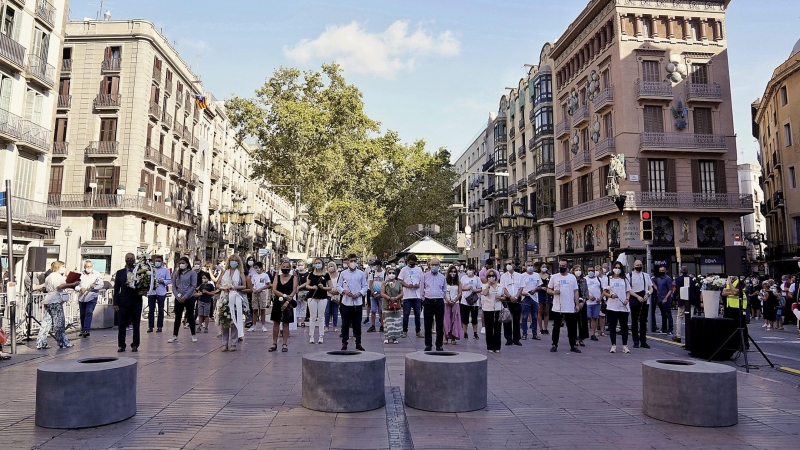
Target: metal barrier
[71, 311]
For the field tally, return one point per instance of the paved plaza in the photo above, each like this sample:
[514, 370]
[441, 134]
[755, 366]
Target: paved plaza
[194, 396]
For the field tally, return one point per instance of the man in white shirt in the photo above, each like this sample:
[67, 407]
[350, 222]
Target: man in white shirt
[352, 284]
[564, 289]
[595, 299]
[410, 277]
[261, 283]
[89, 287]
[532, 284]
[511, 282]
[641, 287]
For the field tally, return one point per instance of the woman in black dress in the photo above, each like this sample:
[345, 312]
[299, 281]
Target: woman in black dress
[284, 290]
[769, 300]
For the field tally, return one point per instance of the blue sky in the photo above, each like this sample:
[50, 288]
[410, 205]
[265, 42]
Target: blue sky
[430, 70]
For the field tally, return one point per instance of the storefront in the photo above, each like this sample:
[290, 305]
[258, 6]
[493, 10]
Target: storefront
[99, 256]
[53, 252]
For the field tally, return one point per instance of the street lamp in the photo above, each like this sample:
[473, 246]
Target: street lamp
[240, 219]
[67, 233]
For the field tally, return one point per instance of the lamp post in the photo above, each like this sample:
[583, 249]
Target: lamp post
[67, 233]
[517, 223]
[239, 218]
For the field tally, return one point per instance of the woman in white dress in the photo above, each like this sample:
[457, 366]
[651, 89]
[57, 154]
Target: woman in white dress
[232, 303]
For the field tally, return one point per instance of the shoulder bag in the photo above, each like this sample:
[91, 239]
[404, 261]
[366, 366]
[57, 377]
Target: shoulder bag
[472, 298]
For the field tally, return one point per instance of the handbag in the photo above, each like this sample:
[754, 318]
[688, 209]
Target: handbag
[473, 298]
[3, 338]
[288, 313]
[505, 315]
[394, 305]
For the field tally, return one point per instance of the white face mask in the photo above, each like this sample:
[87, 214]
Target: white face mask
[392, 276]
[182, 266]
[578, 273]
[301, 267]
[470, 272]
[401, 265]
[353, 266]
[87, 269]
[157, 264]
[544, 269]
[617, 271]
[509, 267]
[62, 270]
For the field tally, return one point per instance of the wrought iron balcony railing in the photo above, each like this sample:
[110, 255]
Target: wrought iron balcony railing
[41, 70]
[32, 212]
[102, 148]
[682, 140]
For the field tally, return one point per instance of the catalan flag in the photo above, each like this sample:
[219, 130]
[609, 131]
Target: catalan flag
[201, 101]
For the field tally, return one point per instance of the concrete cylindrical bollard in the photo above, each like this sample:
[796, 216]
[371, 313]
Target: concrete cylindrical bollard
[85, 392]
[344, 381]
[446, 381]
[695, 393]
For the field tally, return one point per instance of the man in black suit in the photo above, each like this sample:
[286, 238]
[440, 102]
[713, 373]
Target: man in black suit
[128, 301]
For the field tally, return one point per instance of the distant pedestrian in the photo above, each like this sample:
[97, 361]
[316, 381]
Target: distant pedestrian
[664, 287]
[641, 289]
[159, 279]
[55, 285]
[452, 307]
[545, 300]
[352, 285]
[617, 290]
[583, 294]
[491, 304]
[261, 283]
[511, 281]
[204, 303]
[593, 301]
[302, 293]
[284, 288]
[375, 281]
[564, 288]
[127, 300]
[471, 287]
[769, 300]
[183, 286]
[334, 299]
[392, 304]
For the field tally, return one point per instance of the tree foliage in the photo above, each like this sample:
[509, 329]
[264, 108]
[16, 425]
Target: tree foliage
[358, 185]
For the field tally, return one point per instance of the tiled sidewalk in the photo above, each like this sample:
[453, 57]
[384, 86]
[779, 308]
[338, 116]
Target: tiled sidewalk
[194, 396]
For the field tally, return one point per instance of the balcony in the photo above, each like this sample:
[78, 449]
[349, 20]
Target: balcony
[214, 173]
[502, 139]
[111, 65]
[46, 12]
[98, 235]
[195, 143]
[547, 168]
[196, 115]
[521, 151]
[49, 234]
[543, 130]
[704, 93]
[168, 88]
[522, 184]
[155, 111]
[35, 136]
[512, 158]
[563, 127]
[654, 90]
[110, 202]
[532, 115]
[544, 97]
[531, 143]
[501, 191]
[226, 182]
[102, 149]
[107, 101]
[30, 212]
[488, 166]
[667, 141]
[213, 204]
[581, 115]
[582, 160]
[66, 65]
[563, 170]
[776, 159]
[187, 134]
[603, 100]
[521, 124]
[60, 148]
[669, 201]
[544, 211]
[512, 190]
[512, 133]
[532, 178]
[64, 101]
[41, 71]
[177, 127]
[777, 199]
[606, 147]
[12, 53]
[152, 155]
[10, 124]
[593, 208]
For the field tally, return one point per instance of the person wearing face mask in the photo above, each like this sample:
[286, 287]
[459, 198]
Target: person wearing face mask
[545, 300]
[470, 306]
[375, 280]
[159, 279]
[261, 283]
[686, 287]
[410, 277]
[618, 290]
[88, 289]
[283, 290]
[512, 292]
[664, 287]
[491, 304]
[352, 285]
[564, 288]
[233, 304]
[334, 299]
[583, 294]
[55, 285]
[593, 301]
[319, 284]
[302, 293]
[434, 288]
[392, 297]
[128, 302]
[641, 289]
[204, 302]
[532, 284]
[452, 308]
[198, 269]
[370, 274]
[489, 264]
[183, 287]
[769, 300]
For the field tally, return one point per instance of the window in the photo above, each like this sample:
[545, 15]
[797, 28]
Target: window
[100, 222]
[109, 85]
[585, 188]
[657, 175]
[699, 73]
[24, 171]
[63, 87]
[41, 46]
[142, 229]
[105, 179]
[707, 177]
[702, 121]
[56, 180]
[603, 180]
[11, 23]
[113, 53]
[653, 119]
[608, 125]
[784, 96]
[66, 53]
[787, 134]
[650, 71]
[585, 139]
[6, 86]
[792, 178]
[33, 106]
[647, 27]
[61, 129]
[566, 195]
[606, 78]
[108, 130]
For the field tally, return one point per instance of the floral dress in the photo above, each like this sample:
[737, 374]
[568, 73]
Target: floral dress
[452, 314]
[392, 318]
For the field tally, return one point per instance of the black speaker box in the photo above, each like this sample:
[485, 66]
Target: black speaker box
[37, 259]
[736, 260]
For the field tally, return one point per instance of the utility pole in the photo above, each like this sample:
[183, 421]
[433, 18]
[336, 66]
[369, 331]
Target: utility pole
[12, 285]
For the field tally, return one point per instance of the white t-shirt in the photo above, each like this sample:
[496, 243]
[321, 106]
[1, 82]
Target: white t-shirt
[619, 286]
[411, 275]
[530, 281]
[511, 282]
[473, 282]
[491, 301]
[595, 290]
[259, 280]
[564, 302]
[640, 282]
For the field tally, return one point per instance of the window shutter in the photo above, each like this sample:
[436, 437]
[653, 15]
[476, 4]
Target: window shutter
[61, 129]
[5, 93]
[115, 179]
[30, 99]
[56, 177]
[112, 130]
[90, 172]
[643, 172]
[17, 25]
[37, 109]
[153, 96]
[114, 85]
[63, 88]
[45, 48]
[695, 175]
[702, 121]
[672, 177]
[721, 182]
[653, 119]
[650, 71]
[108, 54]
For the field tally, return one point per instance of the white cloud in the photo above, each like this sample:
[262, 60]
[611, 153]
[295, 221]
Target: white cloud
[383, 54]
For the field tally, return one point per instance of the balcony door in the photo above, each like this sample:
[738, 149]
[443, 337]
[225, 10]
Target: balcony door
[650, 71]
[12, 22]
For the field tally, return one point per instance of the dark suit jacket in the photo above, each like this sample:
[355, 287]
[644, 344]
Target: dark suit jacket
[123, 294]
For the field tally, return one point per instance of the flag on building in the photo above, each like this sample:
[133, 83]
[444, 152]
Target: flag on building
[201, 101]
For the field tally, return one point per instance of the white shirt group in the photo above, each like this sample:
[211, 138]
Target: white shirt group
[413, 276]
[564, 301]
[619, 286]
[473, 282]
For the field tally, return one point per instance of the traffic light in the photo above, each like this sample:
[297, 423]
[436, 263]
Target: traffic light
[646, 226]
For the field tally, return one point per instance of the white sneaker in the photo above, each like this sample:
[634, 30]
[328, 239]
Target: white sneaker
[173, 339]
[194, 339]
[320, 340]
[264, 328]
[613, 349]
[764, 326]
[385, 341]
[311, 340]
[251, 329]
[625, 349]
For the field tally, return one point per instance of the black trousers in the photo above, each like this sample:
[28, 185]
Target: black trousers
[583, 322]
[620, 317]
[433, 310]
[180, 307]
[638, 320]
[129, 314]
[351, 317]
[492, 326]
[511, 329]
[572, 327]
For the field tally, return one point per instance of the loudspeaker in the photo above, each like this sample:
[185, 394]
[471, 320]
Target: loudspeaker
[736, 260]
[37, 259]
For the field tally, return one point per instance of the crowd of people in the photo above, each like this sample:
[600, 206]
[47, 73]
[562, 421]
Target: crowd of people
[513, 305]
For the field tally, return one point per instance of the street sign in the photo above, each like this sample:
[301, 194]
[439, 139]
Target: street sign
[2, 198]
[467, 242]
[263, 252]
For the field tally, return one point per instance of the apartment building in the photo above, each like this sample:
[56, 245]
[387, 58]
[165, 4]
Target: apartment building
[754, 225]
[776, 118]
[31, 38]
[648, 81]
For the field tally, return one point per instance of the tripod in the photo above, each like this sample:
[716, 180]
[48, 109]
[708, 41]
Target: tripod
[741, 332]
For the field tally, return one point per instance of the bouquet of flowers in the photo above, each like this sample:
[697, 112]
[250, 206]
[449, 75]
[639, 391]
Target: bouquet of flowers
[141, 277]
[713, 283]
[224, 311]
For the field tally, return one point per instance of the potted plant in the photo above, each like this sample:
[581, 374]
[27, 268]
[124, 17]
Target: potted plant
[121, 189]
[711, 290]
[168, 201]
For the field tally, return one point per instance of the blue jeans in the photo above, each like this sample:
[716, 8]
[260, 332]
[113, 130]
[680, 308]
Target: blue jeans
[530, 307]
[152, 300]
[87, 311]
[331, 311]
[408, 303]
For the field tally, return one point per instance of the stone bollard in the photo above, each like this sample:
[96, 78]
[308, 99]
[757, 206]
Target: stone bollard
[86, 392]
[344, 381]
[695, 393]
[446, 381]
